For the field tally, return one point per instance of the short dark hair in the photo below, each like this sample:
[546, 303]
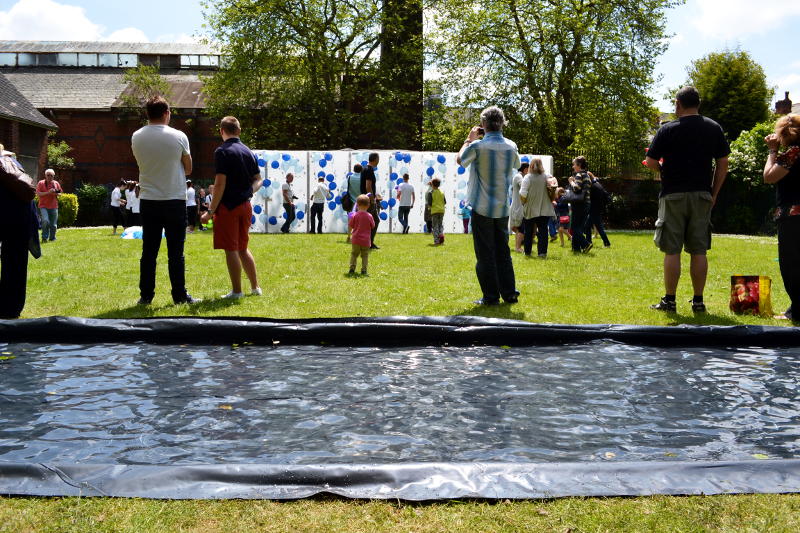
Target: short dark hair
[358, 169]
[156, 107]
[688, 97]
[373, 157]
[436, 182]
[581, 161]
[230, 125]
[406, 177]
[523, 166]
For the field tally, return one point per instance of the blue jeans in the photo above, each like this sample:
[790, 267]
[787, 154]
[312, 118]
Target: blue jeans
[49, 223]
[580, 220]
[494, 268]
[552, 226]
[596, 219]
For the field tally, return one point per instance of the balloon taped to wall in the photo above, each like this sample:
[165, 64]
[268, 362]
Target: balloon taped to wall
[336, 167]
[135, 232]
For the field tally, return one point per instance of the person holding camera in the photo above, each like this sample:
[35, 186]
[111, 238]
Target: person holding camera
[288, 202]
[492, 161]
[48, 190]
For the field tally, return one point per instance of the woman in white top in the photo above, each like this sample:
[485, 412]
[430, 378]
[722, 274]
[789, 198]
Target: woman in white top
[536, 197]
[117, 203]
[134, 203]
[191, 206]
[515, 215]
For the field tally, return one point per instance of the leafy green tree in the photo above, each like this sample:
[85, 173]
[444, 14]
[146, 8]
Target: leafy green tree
[733, 89]
[144, 82]
[57, 153]
[571, 70]
[310, 73]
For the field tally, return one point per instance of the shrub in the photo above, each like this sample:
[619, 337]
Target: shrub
[92, 199]
[67, 209]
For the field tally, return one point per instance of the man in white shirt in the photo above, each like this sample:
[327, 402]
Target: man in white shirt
[407, 197]
[162, 154]
[288, 203]
[318, 197]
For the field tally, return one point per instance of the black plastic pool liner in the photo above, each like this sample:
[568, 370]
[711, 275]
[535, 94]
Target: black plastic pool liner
[409, 481]
[405, 481]
[387, 331]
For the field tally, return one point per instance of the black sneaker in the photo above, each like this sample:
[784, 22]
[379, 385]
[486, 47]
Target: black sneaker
[144, 301]
[187, 300]
[665, 305]
[588, 248]
[698, 307]
[484, 301]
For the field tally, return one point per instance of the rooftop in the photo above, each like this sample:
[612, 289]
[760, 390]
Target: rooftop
[14, 106]
[101, 47]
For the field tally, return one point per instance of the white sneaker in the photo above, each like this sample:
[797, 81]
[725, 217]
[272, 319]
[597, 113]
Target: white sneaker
[233, 296]
[256, 292]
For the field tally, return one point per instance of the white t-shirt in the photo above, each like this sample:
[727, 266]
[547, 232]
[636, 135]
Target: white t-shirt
[288, 188]
[208, 199]
[134, 203]
[320, 193]
[191, 197]
[406, 191]
[116, 194]
[128, 194]
[158, 151]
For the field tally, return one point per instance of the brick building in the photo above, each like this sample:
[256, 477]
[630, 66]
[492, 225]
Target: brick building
[23, 129]
[78, 86]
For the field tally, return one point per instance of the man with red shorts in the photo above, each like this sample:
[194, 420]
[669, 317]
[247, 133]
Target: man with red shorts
[236, 177]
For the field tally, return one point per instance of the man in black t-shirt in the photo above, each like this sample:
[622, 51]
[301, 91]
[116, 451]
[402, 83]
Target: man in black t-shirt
[237, 176]
[368, 182]
[691, 154]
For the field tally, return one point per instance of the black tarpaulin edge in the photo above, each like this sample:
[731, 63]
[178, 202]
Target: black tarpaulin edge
[409, 481]
[381, 331]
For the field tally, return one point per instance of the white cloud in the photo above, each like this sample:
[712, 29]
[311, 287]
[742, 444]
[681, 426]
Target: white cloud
[733, 19]
[176, 38]
[48, 20]
[791, 83]
[128, 35]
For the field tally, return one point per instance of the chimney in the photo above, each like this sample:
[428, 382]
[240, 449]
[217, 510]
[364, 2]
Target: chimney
[783, 107]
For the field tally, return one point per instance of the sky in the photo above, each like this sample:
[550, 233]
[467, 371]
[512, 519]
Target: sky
[764, 28]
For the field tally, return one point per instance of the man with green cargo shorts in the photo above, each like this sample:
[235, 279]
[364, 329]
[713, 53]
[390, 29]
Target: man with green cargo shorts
[685, 151]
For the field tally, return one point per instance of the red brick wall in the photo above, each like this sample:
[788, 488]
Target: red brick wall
[101, 143]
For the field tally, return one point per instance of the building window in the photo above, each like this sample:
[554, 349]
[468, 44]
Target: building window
[149, 60]
[128, 60]
[8, 60]
[47, 60]
[26, 60]
[170, 61]
[87, 60]
[67, 60]
[190, 61]
[109, 60]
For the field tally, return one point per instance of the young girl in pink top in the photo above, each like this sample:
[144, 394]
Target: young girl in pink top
[361, 224]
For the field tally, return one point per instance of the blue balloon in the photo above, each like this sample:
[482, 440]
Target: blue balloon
[330, 177]
[284, 215]
[383, 216]
[323, 163]
[525, 159]
[300, 215]
[332, 205]
[321, 174]
[407, 158]
[263, 218]
[393, 176]
[261, 162]
[273, 220]
[429, 171]
[332, 186]
[364, 163]
[257, 209]
[440, 158]
[252, 220]
[392, 202]
[266, 183]
[384, 204]
[398, 156]
[328, 156]
[461, 169]
[286, 157]
[338, 200]
[275, 164]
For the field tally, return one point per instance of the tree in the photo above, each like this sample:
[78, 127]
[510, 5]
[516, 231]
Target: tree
[575, 70]
[733, 90]
[310, 73]
[57, 154]
[144, 82]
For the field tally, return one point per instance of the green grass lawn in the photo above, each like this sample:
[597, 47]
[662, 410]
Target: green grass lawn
[89, 273]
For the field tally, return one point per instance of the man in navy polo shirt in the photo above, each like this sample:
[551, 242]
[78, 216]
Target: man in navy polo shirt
[237, 176]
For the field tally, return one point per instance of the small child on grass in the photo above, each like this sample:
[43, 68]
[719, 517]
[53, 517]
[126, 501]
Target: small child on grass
[562, 212]
[436, 201]
[361, 225]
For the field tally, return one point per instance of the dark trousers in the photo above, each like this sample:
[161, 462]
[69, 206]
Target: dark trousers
[15, 233]
[168, 216]
[494, 268]
[373, 210]
[541, 224]
[402, 216]
[579, 220]
[789, 258]
[116, 213]
[191, 215]
[552, 226]
[289, 208]
[316, 215]
[596, 219]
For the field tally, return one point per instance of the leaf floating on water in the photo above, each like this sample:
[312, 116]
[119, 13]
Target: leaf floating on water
[7, 353]
[670, 454]
[278, 342]
[7, 357]
[760, 456]
[609, 455]
[234, 345]
[505, 347]
[226, 407]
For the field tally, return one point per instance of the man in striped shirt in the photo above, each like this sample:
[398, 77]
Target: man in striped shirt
[492, 162]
